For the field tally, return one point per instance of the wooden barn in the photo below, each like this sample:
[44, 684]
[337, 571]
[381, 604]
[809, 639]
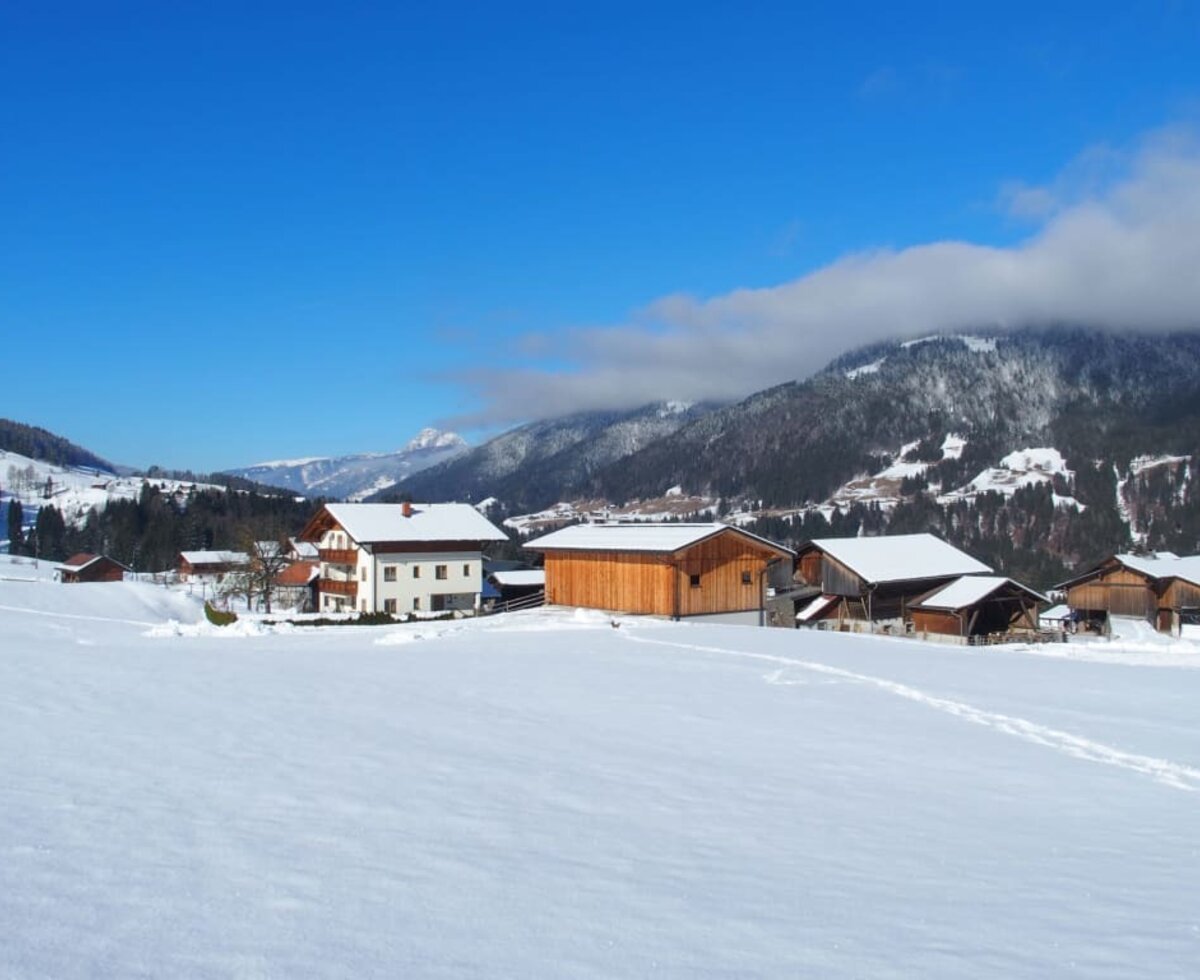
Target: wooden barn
[210, 566]
[978, 606]
[876, 580]
[90, 568]
[676, 570]
[1161, 588]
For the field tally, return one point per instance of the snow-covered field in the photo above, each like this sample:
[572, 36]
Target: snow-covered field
[545, 795]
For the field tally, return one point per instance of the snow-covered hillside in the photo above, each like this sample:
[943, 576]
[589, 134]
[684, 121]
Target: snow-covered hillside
[74, 490]
[545, 795]
[357, 476]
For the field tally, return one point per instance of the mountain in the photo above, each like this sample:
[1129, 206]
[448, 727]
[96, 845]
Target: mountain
[357, 476]
[1038, 449]
[540, 463]
[38, 444]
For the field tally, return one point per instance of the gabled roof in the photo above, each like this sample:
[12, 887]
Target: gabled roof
[77, 563]
[1158, 565]
[305, 550]
[972, 589]
[371, 523]
[641, 536]
[900, 557]
[298, 573]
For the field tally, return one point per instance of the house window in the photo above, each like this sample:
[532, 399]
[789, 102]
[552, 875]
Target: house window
[439, 571]
[747, 579]
[362, 573]
[416, 602]
[694, 581]
[389, 573]
[416, 571]
[389, 606]
[466, 571]
[364, 605]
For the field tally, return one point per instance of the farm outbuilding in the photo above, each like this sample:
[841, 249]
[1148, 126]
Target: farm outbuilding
[976, 606]
[1161, 588]
[676, 570]
[876, 580]
[86, 567]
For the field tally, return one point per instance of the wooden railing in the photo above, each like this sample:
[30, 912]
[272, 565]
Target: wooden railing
[334, 587]
[338, 556]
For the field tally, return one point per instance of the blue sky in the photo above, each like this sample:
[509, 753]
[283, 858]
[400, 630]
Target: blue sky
[235, 232]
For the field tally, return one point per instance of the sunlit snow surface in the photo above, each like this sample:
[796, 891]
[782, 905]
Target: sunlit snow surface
[547, 795]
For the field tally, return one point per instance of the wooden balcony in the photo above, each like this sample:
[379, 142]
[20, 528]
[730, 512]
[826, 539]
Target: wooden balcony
[338, 556]
[335, 587]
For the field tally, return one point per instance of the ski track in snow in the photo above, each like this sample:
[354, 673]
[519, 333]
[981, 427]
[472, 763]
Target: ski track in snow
[1173, 774]
[94, 619]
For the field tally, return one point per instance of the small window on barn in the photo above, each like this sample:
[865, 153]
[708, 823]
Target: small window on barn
[389, 573]
[694, 580]
[747, 579]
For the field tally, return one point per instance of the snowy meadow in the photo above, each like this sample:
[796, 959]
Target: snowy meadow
[556, 793]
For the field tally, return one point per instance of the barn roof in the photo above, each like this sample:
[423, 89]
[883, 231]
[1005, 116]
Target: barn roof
[900, 557]
[1157, 565]
[368, 523]
[816, 607]
[76, 563]
[643, 536]
[972, 589]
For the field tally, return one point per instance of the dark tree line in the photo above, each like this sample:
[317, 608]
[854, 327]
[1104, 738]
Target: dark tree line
[147, 534]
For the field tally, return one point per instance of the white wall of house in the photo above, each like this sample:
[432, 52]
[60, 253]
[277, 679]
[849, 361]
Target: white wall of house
[403, 582]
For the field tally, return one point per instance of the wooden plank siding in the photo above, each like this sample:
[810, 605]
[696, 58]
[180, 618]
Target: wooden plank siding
[729, 567]
[937, 621]
[1121, 591]
[618, 581]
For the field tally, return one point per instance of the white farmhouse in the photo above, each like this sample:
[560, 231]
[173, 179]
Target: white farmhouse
[400, 558]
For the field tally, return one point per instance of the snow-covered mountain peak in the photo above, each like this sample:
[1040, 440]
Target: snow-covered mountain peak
[429, 438]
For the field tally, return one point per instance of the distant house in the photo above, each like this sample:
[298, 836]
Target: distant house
[876, 580]
[677, 570]
[210, 566]
[1161, 588]
[977, 606]
[399, 558]
[85, 567]
[297, 586]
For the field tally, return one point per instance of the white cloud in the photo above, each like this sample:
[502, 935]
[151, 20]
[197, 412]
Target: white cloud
[1114, 250]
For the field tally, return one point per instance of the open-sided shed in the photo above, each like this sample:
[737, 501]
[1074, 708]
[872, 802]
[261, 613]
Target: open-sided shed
[675, 570]
[877, 579]
[978, 605]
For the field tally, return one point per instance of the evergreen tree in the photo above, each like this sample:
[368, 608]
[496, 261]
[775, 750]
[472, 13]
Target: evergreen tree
[16, 537]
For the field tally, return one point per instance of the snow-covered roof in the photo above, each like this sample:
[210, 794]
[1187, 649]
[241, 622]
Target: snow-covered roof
[1056, 613]
[367, 523]
[970, 589]
[76, 563]
[215, 557]
[305, 550]
[816, 607]
[520, 577]
[640, 536]
[1164, 564]
[897, 557]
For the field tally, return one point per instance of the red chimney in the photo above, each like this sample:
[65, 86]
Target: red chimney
[406, 508]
